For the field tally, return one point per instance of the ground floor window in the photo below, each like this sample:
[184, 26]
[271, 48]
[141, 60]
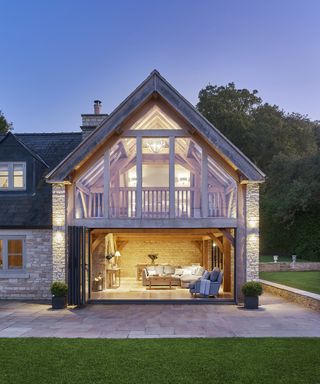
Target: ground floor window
[12, 251]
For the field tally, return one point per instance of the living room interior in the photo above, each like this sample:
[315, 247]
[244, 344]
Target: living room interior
[161, 264]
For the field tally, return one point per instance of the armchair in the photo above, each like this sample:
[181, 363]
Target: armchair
[214, 286]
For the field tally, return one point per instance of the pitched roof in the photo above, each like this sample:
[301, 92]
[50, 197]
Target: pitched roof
[156, 84]
[34, 210]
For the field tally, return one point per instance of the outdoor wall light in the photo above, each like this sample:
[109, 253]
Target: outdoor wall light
[253, 223]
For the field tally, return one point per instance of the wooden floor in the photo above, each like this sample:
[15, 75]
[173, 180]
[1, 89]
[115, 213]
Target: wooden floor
[131, 289]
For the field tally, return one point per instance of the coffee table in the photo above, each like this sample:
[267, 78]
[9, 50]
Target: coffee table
[160, 280]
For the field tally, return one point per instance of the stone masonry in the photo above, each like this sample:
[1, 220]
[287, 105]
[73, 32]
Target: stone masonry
[252, 224]
[34, 282]
[59, 231]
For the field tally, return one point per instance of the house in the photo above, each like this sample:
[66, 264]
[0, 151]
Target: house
[135, 207]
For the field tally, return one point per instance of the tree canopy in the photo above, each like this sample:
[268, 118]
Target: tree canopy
[286, 146]
[5, 126]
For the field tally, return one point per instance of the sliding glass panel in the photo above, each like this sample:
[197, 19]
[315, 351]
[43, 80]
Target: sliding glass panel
[15, 254]
[123, 179]
[1, 254]
[89, 198]
[155, 178]
[18, 176]
[188, 176]
[222, 191]
[4, 176]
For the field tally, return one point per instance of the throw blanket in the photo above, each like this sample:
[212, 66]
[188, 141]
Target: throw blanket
[204, 287]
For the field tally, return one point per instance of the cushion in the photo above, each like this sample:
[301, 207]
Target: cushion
[199, 271]
[206, 275]
[187, 271]
[152, 273]
[178, 272]
[150, 268]
[159, 269]
[168, 270]
[214, 274]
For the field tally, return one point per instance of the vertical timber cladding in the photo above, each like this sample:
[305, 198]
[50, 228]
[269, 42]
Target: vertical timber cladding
[252, 238]
[59, 232]
[76, 265]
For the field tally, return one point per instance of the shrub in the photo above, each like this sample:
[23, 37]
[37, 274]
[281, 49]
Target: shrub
[59, 289]
[252, 288]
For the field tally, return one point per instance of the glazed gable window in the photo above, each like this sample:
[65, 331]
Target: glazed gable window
[12, 254]
[12, 176]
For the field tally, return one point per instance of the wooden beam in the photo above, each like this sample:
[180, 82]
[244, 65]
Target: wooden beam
[227, 235]
[171, 178]
[106, 183]
[139, 178]
[217, 241]
[226, 265]
[204, 184]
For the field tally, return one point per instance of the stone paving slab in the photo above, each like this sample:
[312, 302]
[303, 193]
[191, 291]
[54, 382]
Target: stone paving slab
[275, 318]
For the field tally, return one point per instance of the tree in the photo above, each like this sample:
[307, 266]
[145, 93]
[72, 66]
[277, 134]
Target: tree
[286, 147]
[5, 126]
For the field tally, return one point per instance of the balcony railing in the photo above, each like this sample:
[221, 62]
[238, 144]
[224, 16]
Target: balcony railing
[156, 203]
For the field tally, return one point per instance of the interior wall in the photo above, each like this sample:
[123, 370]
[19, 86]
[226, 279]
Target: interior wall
[174, 252]
[135, 251]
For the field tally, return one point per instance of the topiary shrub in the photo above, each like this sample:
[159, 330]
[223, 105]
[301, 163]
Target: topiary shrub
[252, 288]
[59, 289]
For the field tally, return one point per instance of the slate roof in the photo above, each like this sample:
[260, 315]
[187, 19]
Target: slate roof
[33, 209]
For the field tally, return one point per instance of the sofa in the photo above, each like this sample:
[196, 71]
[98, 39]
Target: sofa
[180, 275]
[208, 285]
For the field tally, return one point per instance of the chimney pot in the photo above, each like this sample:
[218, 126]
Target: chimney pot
[97, 107]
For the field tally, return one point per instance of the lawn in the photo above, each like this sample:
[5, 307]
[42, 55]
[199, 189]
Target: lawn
[308, 281]
[272, 360]
[281, 259]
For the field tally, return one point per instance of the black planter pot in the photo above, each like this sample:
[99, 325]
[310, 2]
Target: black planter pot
[251, 302]
[59, 302]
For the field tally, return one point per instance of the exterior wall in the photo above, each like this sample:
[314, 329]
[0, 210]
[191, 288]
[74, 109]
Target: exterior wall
[174, 252]
[59, 232]
[252, 235]
[33, 283]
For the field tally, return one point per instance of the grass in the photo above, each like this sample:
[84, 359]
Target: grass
[282, 259]
[308, 281]
[272, 360]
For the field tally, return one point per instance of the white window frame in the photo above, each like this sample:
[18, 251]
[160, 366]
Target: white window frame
[10, 166]
[5, 269]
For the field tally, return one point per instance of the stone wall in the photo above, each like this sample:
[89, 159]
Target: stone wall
[58, 231]
[182, 252]
[33, 283]
[283, 267]
[252, 224]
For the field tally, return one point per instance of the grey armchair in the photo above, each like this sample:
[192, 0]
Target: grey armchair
[214, 286]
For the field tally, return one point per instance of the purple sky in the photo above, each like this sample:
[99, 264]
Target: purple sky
[58, 56]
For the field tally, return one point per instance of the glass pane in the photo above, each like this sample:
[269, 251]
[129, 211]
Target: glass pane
[222, 191]
[15, 255]
[156, 118]
[4, 176]
[155, 178]
[123, 178]
[89, 197]
[188, 176]
[1, 254]
[18, 179]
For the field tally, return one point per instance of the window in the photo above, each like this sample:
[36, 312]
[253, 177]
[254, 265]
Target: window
[12, 176]
[12, 250]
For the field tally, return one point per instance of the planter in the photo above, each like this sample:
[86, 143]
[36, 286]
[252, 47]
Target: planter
[251, 302]
[59, 302]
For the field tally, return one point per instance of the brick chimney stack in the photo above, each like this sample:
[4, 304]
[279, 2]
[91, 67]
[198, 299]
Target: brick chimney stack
[97, 107]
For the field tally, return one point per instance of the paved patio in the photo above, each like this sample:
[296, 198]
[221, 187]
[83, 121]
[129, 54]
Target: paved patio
[275, 318]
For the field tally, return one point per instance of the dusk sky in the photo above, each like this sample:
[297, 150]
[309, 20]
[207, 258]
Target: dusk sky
[58, 56]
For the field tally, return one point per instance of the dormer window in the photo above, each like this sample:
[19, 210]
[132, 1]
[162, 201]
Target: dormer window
[12, 176]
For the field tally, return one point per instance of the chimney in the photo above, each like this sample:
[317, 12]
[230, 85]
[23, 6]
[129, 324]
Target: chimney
[97, 107]
[91, 120]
